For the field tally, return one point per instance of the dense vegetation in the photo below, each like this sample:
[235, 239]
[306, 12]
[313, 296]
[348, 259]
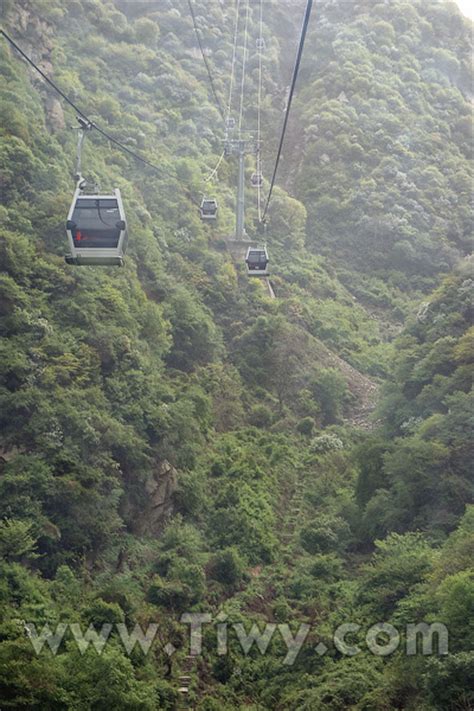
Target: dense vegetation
[173, 440]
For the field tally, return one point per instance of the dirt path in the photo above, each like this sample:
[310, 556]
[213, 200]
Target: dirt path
[363, 389]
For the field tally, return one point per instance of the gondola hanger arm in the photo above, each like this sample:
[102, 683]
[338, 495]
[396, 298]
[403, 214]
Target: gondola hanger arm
[84, 126]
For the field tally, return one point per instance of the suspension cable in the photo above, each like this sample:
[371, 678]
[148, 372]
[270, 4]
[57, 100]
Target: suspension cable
[259, 101]
[234, 52]
[215, 169]
[45, 77]
[81, 113]
[231, 86]
[208, 68]
[299, 54]
[244, 60]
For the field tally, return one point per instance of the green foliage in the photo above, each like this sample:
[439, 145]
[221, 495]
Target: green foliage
[184, 586]
[325, 534]
[227, 567]
[97, 681]
[146, 31]
[400, 562]
[456, 600]
[342, 686]
[194, 334]
[330, 390]
[101, 613]
[260, 416]
[448, 680]
[458, 551]
[427, 470]
[305, 426]
[324, 443]
[369, 457]
[29, 680]
[16, 541]
[369, 179]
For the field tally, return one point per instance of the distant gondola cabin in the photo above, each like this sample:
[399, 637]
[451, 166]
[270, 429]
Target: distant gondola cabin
[257, 261]
[208, 209]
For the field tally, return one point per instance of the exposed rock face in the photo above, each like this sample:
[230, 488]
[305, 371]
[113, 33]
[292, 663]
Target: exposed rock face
[7, 453]
[55, 114]
[37, 41]
[37, 34]
[160, 488]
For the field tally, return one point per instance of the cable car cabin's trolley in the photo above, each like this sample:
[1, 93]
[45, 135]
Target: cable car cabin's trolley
[96, 229]
[257, 261]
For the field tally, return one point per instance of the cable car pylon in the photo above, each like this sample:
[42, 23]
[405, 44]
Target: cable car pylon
[240, 147]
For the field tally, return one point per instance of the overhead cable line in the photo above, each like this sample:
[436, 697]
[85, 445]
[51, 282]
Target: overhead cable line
[214, 171]
[234, 52]
[299, 54]
[259, 101]
[82, 114]
[45, 77]
[209, 73]
[244, 60]
[231, 86]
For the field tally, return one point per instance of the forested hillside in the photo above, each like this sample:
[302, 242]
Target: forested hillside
[175, 441]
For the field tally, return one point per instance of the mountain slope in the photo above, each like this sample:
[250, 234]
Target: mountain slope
[381, 143]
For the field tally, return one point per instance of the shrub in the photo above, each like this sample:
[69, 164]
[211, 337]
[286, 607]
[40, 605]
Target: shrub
[101, 612]
[325, 534]
[327, 442]
[305, 426]
[330, 391]
[260, 416]
[147, 32]
[227, 567]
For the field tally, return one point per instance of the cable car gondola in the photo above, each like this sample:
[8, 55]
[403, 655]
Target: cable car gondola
[257, 261]
[96, 229]
[256, 180]
[208, 209]
[260, 44]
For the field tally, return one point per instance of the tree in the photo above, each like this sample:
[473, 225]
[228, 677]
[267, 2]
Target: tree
[16, 539]
[447, 681]
[456, 600]
[330, 391]
[90, 680]
[227, 566]
[370, 459]
[326, 534]
[398, 564]
[195, 337]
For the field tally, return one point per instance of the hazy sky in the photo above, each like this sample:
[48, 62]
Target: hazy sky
[466, 7]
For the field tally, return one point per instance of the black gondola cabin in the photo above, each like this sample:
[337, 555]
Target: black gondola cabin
[257, 261]
[96, 229]
[208, 209]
